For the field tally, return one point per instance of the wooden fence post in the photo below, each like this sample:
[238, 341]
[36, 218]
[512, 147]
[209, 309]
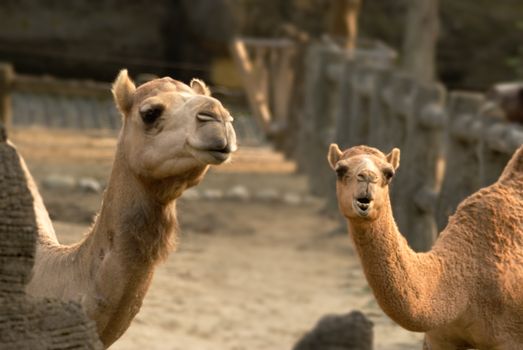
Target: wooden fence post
[498, 143]
[319, 118]
[254, 86]
[462, 160]
[7, 76]
[419, 181]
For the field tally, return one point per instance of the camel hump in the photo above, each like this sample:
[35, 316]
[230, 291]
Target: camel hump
[514, 167]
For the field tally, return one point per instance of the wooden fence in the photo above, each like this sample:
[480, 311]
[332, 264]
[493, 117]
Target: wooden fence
[28, 100]
[450, 145]
[81, 104]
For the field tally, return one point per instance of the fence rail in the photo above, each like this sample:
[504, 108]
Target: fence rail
[79, 104]
[47, 101]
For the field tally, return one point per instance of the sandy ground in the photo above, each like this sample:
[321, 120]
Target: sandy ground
[246, 274]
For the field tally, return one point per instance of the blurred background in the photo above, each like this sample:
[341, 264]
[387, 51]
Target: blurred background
[478, 43]
[440, 79]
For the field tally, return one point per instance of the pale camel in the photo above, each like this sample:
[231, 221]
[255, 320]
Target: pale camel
[464, 293]
[171, 133]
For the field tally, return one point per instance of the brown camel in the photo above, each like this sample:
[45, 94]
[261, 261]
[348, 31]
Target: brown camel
[466, 292]
[171, 133]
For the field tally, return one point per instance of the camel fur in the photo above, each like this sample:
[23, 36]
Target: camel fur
[171, 133]
[466, 292]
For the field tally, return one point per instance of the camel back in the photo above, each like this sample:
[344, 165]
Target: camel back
[514, 168]
[25, 322]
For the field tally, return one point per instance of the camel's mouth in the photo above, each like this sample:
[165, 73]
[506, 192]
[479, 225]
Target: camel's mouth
[220, 156]
[211, 156]
[362, 205]
[214, 157]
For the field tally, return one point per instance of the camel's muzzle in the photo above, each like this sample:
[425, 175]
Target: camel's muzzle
[214, 142]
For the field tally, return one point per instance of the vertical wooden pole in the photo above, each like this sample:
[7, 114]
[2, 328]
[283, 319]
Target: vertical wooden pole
[343, 21]
[256, 95]
[352, 9]
[421, 32]
[6, 79]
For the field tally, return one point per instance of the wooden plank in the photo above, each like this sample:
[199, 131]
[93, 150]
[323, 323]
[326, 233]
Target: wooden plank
[256, 96]
[266, 42]
[48, 85]
[283, 82]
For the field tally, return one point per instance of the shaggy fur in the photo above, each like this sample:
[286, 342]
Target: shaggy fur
[464, 293]
[157, 158]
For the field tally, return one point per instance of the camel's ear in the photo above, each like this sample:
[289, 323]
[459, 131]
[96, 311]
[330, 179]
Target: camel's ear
[394, 158]
[123, 92]
[200, 88]
[334, 155]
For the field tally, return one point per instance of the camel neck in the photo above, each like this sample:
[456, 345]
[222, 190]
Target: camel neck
[132, 232]
[380, 240]
[404, 283]
[133, 221]
[381, 233]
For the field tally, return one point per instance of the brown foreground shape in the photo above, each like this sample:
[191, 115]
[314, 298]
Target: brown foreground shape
[25, 322]
[171, 133]
[466, 291]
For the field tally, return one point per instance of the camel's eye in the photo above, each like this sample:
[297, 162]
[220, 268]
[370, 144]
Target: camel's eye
[150, 115]
[388, 173]
[341, 171]
[207, 117]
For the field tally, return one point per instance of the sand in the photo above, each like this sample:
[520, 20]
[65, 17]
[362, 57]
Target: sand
[247, 274]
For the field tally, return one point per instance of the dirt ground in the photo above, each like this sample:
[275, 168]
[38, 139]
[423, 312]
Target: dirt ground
[247, 274]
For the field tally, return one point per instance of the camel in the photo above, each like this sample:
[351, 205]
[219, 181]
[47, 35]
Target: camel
[171, 133]
[466, 292]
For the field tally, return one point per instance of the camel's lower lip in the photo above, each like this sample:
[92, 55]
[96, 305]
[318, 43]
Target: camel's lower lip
[362, 206]
[220, 156]
[210, 156]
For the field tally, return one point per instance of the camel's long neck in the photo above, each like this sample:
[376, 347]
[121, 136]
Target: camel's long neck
[131, 233]
[407, 285]
[133, 222]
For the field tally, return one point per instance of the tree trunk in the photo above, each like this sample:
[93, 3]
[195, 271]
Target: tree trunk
[419, 47]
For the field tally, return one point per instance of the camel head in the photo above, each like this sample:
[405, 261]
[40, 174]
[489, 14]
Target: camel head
[172, 129]
[364, 174]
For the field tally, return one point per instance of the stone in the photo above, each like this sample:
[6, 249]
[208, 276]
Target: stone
[212, 194]
[90, 185]
[352, 331]
[268, 195]
[292, 198]
[238, 192]
[59, 182]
